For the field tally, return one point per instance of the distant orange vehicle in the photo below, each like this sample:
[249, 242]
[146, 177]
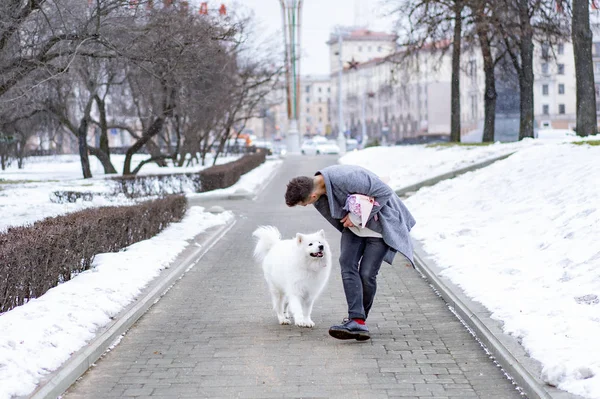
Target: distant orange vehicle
[247, 138]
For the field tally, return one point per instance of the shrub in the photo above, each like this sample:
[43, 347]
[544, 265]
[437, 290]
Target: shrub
[35, 258]
[213, 178]
[61, 197]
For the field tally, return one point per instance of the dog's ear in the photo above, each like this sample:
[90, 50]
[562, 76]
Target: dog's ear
[322, 233]
[299, 238]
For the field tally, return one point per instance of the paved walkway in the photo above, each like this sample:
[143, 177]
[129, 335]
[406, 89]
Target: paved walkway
[214, 335]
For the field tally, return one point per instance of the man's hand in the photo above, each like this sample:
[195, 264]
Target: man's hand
[346, 221]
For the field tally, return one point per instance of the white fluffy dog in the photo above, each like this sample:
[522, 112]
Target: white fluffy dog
[296, 271]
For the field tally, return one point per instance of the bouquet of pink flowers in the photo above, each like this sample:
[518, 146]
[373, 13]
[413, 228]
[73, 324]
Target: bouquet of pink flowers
[359, 206]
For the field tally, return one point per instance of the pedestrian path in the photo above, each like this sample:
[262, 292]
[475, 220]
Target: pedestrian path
[214, 335]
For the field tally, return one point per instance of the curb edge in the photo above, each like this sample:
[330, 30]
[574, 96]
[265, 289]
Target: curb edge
[512, 363]
[449, 175]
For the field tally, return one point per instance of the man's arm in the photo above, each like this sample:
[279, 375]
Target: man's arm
[368, 184]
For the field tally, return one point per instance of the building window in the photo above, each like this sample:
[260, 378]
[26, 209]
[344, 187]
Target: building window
[561, 109]
[308, 110]
[561, 88]
[545, 90]
[320, 120]
[596, 49]
[359, 49]
[597, 67]
[545, 68]
[545, 109]
[319, 89]
[320, 110]
[329, 90]
[561, 69]
[307, 99]
[472, 68]
[545, 51]
[319, 99]
[561, 49]
[308, 89]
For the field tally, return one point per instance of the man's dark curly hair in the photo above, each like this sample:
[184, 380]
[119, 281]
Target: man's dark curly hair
[298, 190]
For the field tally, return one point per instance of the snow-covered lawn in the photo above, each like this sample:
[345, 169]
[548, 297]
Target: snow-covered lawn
[25, 193]
[522, 237]
[407, 165]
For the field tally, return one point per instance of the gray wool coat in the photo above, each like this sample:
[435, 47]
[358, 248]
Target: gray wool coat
[393, 221]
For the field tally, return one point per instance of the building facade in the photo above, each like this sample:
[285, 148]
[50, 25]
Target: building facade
[396, 97]
[389, 96]
[316, 98]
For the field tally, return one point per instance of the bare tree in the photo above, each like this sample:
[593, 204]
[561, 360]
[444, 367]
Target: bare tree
[70, 99]
[522, 23]
[430, 24]
[40, 37]
[492, 50]
[587, 123]
[172, 51]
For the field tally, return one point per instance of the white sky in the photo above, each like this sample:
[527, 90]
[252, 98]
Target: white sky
[318, 19]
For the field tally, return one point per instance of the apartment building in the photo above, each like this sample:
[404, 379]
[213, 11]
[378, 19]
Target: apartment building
[316, 97]
[412, 98]
[392, 97]
[554, 92]
[359, 45]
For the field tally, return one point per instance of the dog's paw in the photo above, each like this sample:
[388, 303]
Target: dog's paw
[284, 321]
[305, 323]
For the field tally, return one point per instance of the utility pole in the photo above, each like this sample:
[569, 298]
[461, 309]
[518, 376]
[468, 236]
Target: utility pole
[291, 11]
[341, 140]
[366, 76]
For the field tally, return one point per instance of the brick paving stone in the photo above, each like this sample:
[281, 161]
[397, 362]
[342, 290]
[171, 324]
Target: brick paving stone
[214, 335]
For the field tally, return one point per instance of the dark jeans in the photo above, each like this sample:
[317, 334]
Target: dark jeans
[360, 260]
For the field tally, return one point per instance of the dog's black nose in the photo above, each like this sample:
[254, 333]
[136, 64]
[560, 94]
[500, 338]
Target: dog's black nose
[320, 247]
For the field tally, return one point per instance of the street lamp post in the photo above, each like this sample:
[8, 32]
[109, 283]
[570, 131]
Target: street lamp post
[291, 11]
[341, 140]
[365, 77]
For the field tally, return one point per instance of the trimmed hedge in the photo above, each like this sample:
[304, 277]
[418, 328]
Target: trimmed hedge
[62, 197]
[213, 178]
[226, 175]
[35, 258]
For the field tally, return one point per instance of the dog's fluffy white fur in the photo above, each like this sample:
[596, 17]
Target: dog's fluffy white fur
[296, 271]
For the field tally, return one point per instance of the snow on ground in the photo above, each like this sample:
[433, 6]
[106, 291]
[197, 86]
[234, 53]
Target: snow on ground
[36, 338]
[521, 237]
[25, 193]
[407, 165]
[56, 168]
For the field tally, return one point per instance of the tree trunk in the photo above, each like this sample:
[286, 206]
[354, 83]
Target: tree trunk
[83, 148]
[584, 69]
[104, 160]
[155, 152]
[21, 153]
[103, 154]
[152, 131]
[455, 88]
[490, 96]
[221, 145]
[526, 73]
[103, 130]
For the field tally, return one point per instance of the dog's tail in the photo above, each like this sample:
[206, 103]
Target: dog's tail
[267, 237]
